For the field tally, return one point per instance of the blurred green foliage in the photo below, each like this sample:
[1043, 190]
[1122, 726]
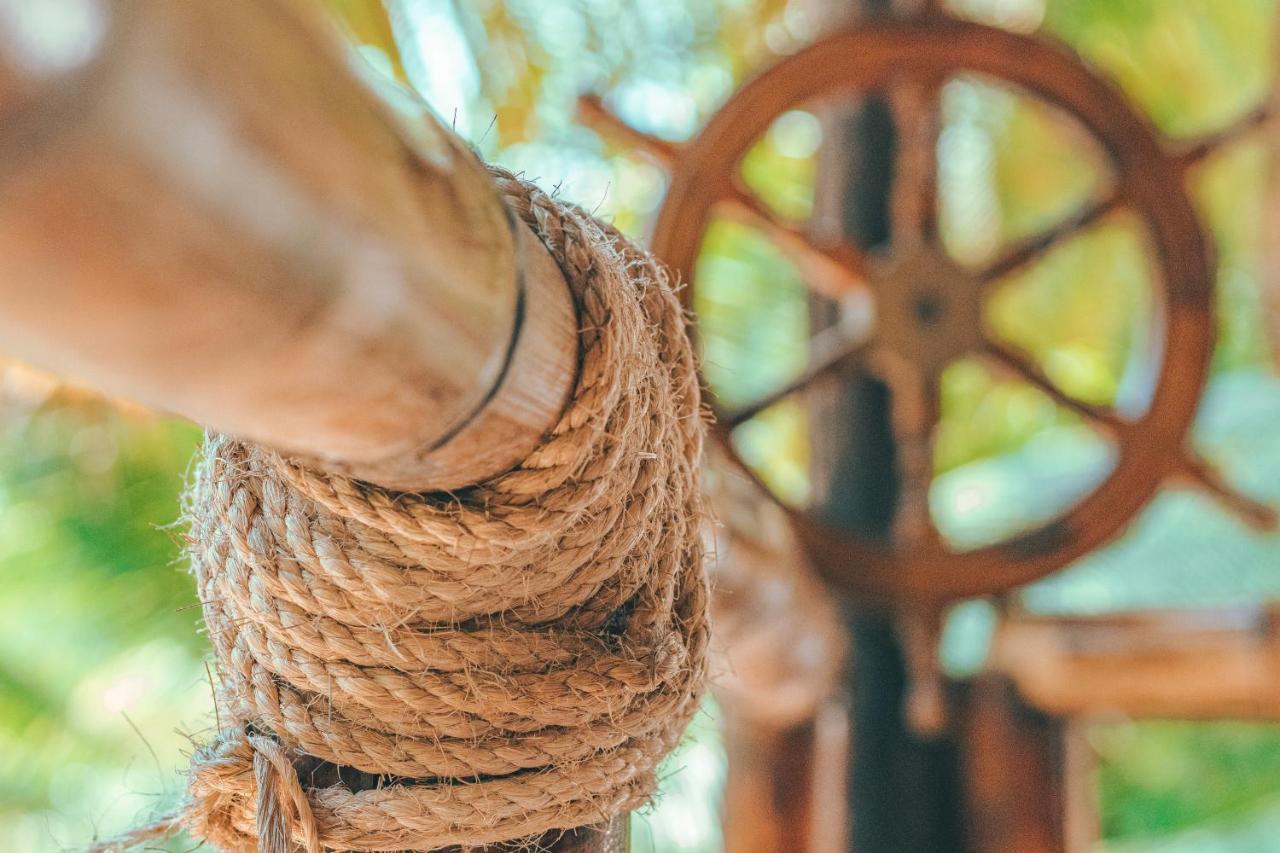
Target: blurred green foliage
[100, 658]
[98, 624]
[1160, 775]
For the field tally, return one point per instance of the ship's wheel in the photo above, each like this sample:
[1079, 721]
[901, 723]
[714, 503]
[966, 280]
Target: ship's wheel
[929, 310]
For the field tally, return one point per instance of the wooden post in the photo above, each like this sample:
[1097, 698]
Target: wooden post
[204, 208]
[784, 785]
[1026, 773]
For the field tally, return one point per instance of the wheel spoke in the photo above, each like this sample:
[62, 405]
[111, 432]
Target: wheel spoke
[829, 351]
[832, 269]
[1017, 365]
[917, 121]
[920, 632]
[1025, 254]
[1202, 474]
[916, 410]
[1198, 151]
[602, 120]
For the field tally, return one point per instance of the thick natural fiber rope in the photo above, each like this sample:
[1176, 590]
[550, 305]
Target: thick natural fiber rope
[514, 659]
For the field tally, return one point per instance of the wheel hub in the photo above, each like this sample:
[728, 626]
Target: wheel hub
[928, 310]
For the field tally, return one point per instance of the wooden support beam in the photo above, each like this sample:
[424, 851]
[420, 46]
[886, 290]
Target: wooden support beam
[1026, 775]
[204, 208]
[1185, 665]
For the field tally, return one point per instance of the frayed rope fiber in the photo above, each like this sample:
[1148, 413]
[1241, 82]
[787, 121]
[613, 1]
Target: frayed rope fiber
[506, 661]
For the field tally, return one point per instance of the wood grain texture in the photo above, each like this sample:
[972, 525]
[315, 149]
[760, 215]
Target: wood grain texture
[204, 208]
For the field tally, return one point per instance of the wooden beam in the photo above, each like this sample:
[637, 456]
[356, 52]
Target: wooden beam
[1185, 665]
[204, 208]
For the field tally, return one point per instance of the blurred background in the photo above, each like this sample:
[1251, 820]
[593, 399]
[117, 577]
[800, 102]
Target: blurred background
[103, 681]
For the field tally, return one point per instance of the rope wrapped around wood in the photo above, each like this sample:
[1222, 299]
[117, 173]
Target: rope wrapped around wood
[493, 664]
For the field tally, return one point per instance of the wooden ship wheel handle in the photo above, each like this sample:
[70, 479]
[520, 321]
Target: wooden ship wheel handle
[929, 310]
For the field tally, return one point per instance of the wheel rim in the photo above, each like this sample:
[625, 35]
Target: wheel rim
[1149, 181]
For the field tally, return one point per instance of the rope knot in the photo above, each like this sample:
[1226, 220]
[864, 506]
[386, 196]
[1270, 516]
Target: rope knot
[240, 780]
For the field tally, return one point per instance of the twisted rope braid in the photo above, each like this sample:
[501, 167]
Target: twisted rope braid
[509, 660]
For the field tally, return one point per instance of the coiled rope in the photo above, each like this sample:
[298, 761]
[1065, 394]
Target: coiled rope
[485, 666]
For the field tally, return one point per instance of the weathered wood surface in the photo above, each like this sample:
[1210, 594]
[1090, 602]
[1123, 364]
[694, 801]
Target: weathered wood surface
[205, 209]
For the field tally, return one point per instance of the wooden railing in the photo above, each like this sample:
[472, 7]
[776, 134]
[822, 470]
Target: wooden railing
[1165, 664]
